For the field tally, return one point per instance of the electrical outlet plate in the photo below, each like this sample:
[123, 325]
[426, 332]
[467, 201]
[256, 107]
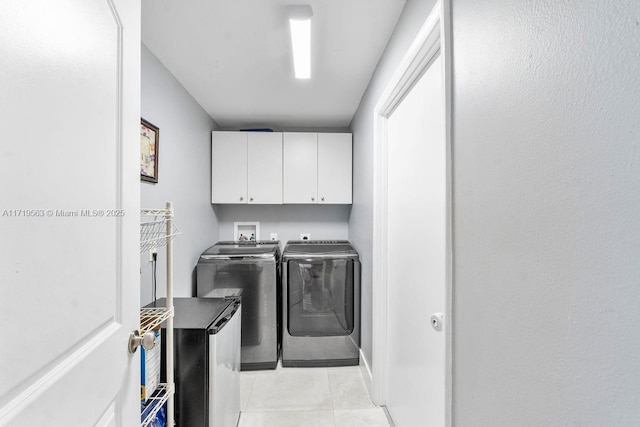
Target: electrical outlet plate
[305, 236]
[151, 252]
[274, 236]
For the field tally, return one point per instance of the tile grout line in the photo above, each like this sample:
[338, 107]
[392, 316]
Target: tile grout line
[333, 409]
[253, 383]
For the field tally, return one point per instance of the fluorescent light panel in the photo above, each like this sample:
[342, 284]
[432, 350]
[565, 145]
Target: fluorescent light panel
[301, 44]
[300, 22]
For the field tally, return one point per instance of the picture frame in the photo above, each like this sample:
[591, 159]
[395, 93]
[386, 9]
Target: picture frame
[149, 144]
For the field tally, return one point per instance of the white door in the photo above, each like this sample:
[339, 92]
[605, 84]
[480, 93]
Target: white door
[229, 167]
[300, 157]
[264, 160]
[334, 168]
[417, 254]
[69, 214]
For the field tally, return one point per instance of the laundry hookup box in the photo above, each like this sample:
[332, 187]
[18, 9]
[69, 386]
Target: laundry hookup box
[150, 369]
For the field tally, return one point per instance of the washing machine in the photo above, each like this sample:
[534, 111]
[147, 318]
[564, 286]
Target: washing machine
[320, 303]
[250, 269]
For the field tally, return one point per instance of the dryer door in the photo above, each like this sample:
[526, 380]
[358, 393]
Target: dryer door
[320, 297]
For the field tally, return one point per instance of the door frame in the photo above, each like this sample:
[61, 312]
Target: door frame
[433, 38]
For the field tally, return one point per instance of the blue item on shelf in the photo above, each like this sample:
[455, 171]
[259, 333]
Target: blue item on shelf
[161, 417]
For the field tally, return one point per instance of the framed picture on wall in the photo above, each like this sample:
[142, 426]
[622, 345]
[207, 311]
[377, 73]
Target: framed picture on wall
[149, 139]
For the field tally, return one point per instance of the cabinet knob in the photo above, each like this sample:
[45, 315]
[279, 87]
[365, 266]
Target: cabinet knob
[313, 199]
[322, 199]
[241, 198]
[251, 199]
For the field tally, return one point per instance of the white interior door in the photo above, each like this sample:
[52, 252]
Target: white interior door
[417, 209]
[69, 214]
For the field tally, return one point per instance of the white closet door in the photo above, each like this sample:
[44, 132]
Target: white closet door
[229, 167]
[265, 167]
[334, 168]
[300, 167]
[417, 260]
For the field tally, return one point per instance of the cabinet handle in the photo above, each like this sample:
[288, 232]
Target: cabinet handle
[322, 199]
[241, 198]
[251, 199]
[313, 199]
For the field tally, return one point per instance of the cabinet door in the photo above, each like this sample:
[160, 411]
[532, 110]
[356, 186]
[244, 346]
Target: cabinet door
[229, 167]
[265, 167]
[334, 168]
[300, 167]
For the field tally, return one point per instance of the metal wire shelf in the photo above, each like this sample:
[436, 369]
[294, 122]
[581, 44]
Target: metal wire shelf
[157, 229]
[155, 402]
[154, 232]
[168, 213]
[152, 318]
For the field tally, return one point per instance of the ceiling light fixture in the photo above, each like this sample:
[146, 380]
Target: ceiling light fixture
[300, 23]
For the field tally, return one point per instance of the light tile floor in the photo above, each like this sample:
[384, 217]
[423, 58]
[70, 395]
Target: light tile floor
[308, 397]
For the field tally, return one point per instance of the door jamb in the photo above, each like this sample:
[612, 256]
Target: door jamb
[433, 38]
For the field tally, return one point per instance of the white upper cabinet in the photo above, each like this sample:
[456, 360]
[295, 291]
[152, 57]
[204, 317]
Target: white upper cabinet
[317, 168]
[264, 159]
[334, 168]
[229, 167]
[246, 167]
[300, 167]
[276, 168]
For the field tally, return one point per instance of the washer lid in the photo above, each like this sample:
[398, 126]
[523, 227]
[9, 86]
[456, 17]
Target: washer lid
[237, 250]
[319, 247]
[318, 242]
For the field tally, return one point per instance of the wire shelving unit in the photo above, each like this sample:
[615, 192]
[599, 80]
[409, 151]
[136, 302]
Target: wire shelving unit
[157, 230]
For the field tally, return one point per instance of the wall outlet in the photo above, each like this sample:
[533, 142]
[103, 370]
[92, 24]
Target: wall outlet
[305, 236]
[274, 236]
[151, 252]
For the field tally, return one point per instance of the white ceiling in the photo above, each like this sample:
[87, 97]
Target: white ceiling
[234, 57]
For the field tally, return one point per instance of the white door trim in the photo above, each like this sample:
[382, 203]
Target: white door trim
[433, 38]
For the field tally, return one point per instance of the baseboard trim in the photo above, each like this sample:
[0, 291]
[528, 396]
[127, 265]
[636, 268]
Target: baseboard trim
[386, 412]
[366, 372]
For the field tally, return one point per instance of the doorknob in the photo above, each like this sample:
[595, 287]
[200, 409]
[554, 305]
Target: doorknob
[148, 340]
[436, 321]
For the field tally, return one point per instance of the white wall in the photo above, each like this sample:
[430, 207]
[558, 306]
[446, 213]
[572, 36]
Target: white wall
[184, 174]
[361, 220]
[322, 221]
[546, 159]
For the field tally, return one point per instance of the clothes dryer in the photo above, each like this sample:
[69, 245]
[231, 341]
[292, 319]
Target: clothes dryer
[320, 303]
